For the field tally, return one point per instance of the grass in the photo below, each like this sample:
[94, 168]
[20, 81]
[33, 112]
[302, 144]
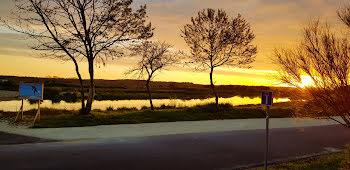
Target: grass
[51, 118]
[324, 162]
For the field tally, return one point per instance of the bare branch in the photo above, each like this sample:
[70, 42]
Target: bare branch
[324, 56]
[80, 29]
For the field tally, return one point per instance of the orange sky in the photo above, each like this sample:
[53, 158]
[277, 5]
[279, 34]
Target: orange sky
[276, 23]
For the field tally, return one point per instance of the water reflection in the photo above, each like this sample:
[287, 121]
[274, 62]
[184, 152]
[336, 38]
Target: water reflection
[102, 105]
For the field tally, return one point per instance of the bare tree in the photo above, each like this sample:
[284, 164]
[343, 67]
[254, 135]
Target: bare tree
[324, 56]
[217, 40]
[91, 30]
[155, 56]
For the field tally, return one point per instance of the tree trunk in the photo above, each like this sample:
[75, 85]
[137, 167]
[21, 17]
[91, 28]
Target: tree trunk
[91, 89]
[149, 94]
[346, 120]
[213, 88]
[81, 87]
[82, 96]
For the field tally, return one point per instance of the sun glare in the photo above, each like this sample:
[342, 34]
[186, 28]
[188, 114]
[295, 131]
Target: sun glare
[306, 81]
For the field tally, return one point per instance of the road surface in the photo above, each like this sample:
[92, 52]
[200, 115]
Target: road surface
[158, 129]
[203, 151]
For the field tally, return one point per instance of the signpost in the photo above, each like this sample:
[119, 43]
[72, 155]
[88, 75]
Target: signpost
[267, 100]
[31, 92]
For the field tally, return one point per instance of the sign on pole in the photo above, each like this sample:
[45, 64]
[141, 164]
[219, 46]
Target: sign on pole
[267, 100]
[31, 91]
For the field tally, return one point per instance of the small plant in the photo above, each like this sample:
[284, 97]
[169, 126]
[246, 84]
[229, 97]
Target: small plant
[125, 109]
[109, 108]
[345, 164]
[226, 106]
[70, 97]
[163, 106]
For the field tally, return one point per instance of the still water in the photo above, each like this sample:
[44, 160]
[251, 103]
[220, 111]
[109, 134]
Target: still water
[15, 105]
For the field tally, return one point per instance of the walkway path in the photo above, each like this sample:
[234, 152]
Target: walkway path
[157, 129]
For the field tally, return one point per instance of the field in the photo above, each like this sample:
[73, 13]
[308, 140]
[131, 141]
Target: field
[57, 89]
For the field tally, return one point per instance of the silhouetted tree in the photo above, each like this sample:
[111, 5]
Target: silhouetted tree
[155, 56]
[324, 56]
[217, 40]
[76, 30]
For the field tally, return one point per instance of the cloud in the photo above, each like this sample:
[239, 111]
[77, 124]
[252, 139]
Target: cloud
[6, 7]
[275, 22]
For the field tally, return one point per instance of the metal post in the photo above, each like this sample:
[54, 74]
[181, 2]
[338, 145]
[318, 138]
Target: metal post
[37, 116]
[39, 109]
[267, 135]
[22, 109]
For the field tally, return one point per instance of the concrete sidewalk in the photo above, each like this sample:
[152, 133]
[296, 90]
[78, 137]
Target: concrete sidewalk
[157, 129]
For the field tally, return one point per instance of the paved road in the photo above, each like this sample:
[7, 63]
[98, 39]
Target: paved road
[216, 150]
[161, 128]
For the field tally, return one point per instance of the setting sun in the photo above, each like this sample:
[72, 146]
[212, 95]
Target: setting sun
[306, 81]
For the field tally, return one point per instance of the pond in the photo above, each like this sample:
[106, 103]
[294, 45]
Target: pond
[15, 105]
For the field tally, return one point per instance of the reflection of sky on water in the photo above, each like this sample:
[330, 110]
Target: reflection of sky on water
[16, 104]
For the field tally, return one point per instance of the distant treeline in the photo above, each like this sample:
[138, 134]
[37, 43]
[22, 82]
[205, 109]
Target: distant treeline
[57, 89]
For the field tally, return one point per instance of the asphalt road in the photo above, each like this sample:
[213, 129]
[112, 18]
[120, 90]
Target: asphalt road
[219, 150]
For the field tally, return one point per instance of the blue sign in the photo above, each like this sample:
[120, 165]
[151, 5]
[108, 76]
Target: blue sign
[267, 98]
[31, 91]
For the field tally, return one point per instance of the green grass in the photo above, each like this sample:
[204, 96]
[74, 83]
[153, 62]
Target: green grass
[324, 162]
[58, 118]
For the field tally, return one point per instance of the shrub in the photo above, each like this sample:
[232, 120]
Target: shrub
[345, 164]
[69, 97]
[109, 108]
[125, 109]
[163, 106]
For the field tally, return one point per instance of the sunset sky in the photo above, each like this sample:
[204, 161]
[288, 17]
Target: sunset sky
[276, 23]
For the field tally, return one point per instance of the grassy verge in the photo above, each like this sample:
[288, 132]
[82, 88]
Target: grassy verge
[323, 162]
[51, 118]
